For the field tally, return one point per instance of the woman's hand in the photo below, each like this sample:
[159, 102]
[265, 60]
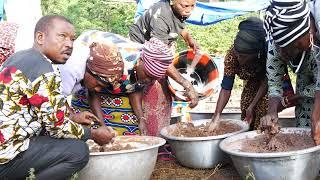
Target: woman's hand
[249, 114]
[190, 41]
[214, 122]
[194, 45]
[315, 119]
[142, 126]
[269, 124]
[191, 93]
[316, 131]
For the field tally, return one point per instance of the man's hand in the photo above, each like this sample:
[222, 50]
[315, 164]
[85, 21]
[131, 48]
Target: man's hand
[84, 118]
[249, 115]
[103, 135]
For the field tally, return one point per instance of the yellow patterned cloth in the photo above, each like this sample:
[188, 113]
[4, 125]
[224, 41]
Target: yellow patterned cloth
[118, 113]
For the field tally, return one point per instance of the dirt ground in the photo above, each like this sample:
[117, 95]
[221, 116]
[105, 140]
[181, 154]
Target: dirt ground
[172, 170]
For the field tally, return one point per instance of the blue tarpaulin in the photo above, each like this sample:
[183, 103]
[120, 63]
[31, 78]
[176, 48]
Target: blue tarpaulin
[211, 13]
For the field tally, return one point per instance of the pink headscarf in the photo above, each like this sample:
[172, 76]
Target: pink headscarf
[157, 57]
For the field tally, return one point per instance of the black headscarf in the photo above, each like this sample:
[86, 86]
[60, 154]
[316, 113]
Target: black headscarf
[251, 36]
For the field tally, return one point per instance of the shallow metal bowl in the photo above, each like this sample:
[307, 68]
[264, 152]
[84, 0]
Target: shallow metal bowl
[200, 152]
[291, 165]
[134, 164]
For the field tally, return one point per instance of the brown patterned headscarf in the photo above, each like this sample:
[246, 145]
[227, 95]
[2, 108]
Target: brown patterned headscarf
[105, 62]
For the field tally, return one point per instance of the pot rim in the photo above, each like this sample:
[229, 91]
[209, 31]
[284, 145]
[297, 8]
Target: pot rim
[244, 127]
[160, 141]
[224, 146]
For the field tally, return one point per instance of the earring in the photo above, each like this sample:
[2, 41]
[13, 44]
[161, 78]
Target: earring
[259, 55]
[171, 2]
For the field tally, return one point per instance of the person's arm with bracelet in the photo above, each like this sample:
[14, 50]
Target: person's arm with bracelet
[135, 99]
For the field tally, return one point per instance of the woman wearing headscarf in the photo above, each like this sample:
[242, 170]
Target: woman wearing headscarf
[164, 22]
[124, 68]
[247, 59]
[292, 43]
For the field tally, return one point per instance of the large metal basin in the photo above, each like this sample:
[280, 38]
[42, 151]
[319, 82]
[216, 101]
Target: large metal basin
[195, 115]
[200, 152]
[134, 164]
[292, 165]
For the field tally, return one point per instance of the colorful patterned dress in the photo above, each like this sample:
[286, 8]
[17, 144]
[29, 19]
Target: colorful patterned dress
[252, 75]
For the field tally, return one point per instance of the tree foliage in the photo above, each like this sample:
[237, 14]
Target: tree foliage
[116, 17]
[93, 14]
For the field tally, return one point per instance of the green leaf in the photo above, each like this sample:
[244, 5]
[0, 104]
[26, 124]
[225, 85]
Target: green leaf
[61, 103]
[74, 130]
[1, 104]
[2, 88]
[35, 89]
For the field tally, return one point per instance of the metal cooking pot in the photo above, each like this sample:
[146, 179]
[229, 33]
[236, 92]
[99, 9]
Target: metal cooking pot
[200, 152]
[291, 165]
[134, 164]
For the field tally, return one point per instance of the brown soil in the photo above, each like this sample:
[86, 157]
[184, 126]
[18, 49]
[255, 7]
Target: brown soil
[190, 130]
[172, 170]
[279, 143]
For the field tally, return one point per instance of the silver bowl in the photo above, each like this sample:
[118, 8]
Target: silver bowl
[284, 121]
[196, 115]
[200, 152]
[291, 165]
[134, 164]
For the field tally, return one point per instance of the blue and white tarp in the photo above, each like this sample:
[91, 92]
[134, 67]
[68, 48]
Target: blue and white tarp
[211, 13]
